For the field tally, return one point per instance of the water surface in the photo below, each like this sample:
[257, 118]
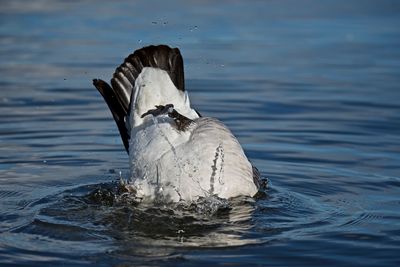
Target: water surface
[311, 90]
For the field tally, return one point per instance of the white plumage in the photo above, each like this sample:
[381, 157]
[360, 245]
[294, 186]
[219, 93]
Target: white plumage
[171, 163]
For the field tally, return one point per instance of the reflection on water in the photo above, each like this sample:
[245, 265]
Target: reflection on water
[309, 89]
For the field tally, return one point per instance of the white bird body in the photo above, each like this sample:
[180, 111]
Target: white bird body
[172, 163]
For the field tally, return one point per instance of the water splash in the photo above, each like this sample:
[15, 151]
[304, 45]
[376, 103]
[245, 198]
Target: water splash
[120, 193]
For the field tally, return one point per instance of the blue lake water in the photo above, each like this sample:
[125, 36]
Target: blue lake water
[310, 88]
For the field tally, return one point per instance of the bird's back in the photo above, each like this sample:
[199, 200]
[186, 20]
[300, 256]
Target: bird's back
[175, 154]
[206, 160]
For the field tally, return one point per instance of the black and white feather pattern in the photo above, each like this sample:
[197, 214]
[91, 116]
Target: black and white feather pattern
[174, 152]
[118, 95]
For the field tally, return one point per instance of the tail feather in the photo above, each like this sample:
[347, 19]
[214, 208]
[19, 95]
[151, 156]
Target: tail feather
[118, 96]
[117, 108]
